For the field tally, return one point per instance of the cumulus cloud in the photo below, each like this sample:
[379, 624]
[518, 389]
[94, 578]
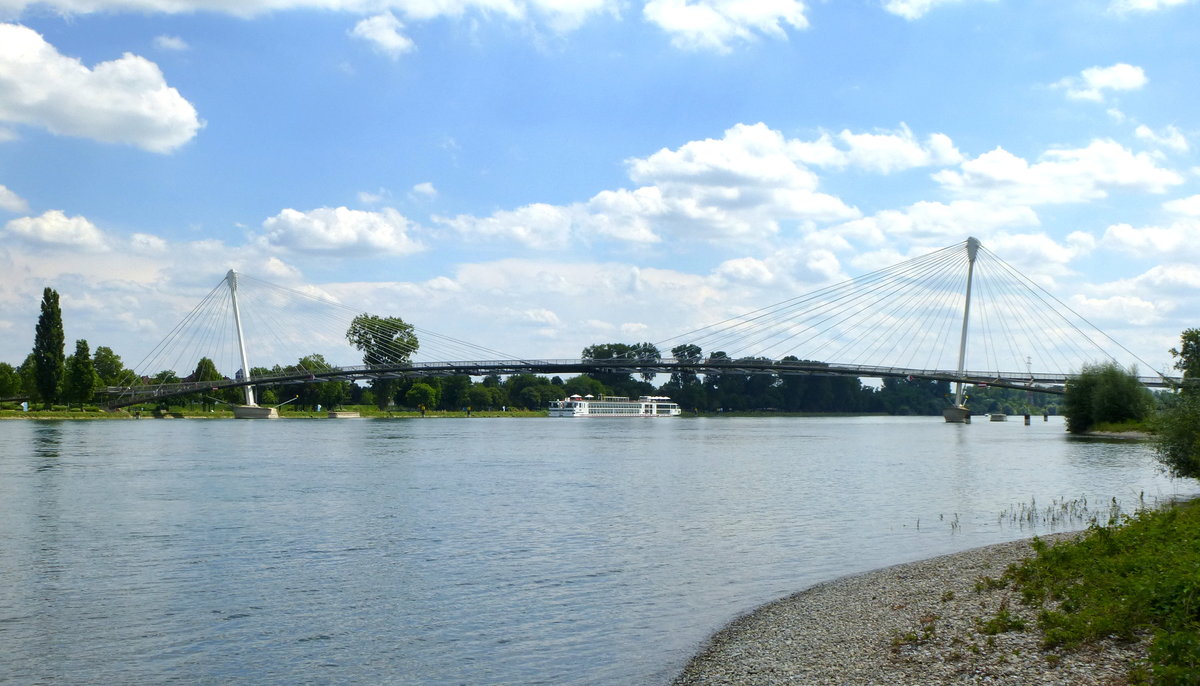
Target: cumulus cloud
[341, 231]
[1170, 138]
[882, 152]
[539, 225]
[425, 190]
[54, 229]
[1189, 206]
[121, 101]
[934, 223]
[719, 24]
[1179, 240]
[742, 186]
[1094, 82]
[1059, 176]
[11, 202]
[383, 32]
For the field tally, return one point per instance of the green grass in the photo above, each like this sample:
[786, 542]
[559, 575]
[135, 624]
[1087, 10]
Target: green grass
[1139, 579]
[1128, 426]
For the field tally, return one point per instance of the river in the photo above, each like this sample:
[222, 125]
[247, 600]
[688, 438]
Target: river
[486, 551]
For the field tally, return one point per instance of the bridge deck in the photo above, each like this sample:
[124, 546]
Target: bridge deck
[121, 396]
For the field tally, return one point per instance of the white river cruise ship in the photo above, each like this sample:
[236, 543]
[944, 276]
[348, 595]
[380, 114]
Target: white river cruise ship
[614, 406]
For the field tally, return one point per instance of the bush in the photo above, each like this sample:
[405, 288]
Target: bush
[1105, 393]
[1177, 436]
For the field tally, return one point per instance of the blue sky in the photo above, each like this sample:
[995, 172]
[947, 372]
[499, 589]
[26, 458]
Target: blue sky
[539, 175]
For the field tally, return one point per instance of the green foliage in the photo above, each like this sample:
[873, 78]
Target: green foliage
[532, 392]
[1187, 359]
[1003, 622]
[583, 385]
[383, 341]
[48, 353]
[1177, 427]
[1104, 393]
[1140, 578]
[82, 379]
[10, 381]
[421, 396]
[914, 396]
[622, 383]
[1177, 436]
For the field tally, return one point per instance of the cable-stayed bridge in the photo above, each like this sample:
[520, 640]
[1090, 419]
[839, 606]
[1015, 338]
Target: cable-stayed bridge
[960, 314]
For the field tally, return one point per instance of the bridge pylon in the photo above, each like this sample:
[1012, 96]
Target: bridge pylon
[959, 413]
[251, 410]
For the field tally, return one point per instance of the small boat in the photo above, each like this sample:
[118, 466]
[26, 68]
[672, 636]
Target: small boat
[998, 417]
[614, 406]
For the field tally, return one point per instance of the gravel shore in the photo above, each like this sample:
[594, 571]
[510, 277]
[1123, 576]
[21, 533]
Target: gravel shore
[916, 623]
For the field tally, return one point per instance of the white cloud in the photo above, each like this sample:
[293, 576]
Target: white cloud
[719, 24]
[383, 32]
[373, 198]
[1170, 138]
[341, 231]
[121, 101]
[146, 244]
[11, 202]
[1189, 206]
[539, 225]
[1126, 308]
[882, 152]
[1180, 240]
[55, 229]
[914, 9]
[1125, 6]
[935, 223]
[742, 187]
[171, 43]
[1059, 176]
[558, 15]
[1093, 82]
[425, 189]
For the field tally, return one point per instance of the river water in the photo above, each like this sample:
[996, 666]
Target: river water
[485, 551]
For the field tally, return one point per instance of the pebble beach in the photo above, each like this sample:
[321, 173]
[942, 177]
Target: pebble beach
[917, 623]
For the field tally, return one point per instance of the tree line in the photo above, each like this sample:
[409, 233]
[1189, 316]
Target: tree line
[50, 377]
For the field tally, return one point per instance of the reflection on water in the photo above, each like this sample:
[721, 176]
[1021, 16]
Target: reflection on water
[481, 551]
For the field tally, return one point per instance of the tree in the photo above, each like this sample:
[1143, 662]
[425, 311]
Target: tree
[10, 381]
[108, 365]
[1177, 428]
[687, 353]
[28, 375]
[1187, 359]
[48, 350]
[421, 396]
[1104, 393]
[454, 392]
[206, 370]
[383, 341]
[82, 379]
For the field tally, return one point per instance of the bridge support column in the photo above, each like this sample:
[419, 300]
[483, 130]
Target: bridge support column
[250, 410]
[959, 412]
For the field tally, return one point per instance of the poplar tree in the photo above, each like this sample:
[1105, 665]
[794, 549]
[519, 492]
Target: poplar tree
[48, 354]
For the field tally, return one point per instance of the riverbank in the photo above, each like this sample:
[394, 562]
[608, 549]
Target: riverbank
[925, 622]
